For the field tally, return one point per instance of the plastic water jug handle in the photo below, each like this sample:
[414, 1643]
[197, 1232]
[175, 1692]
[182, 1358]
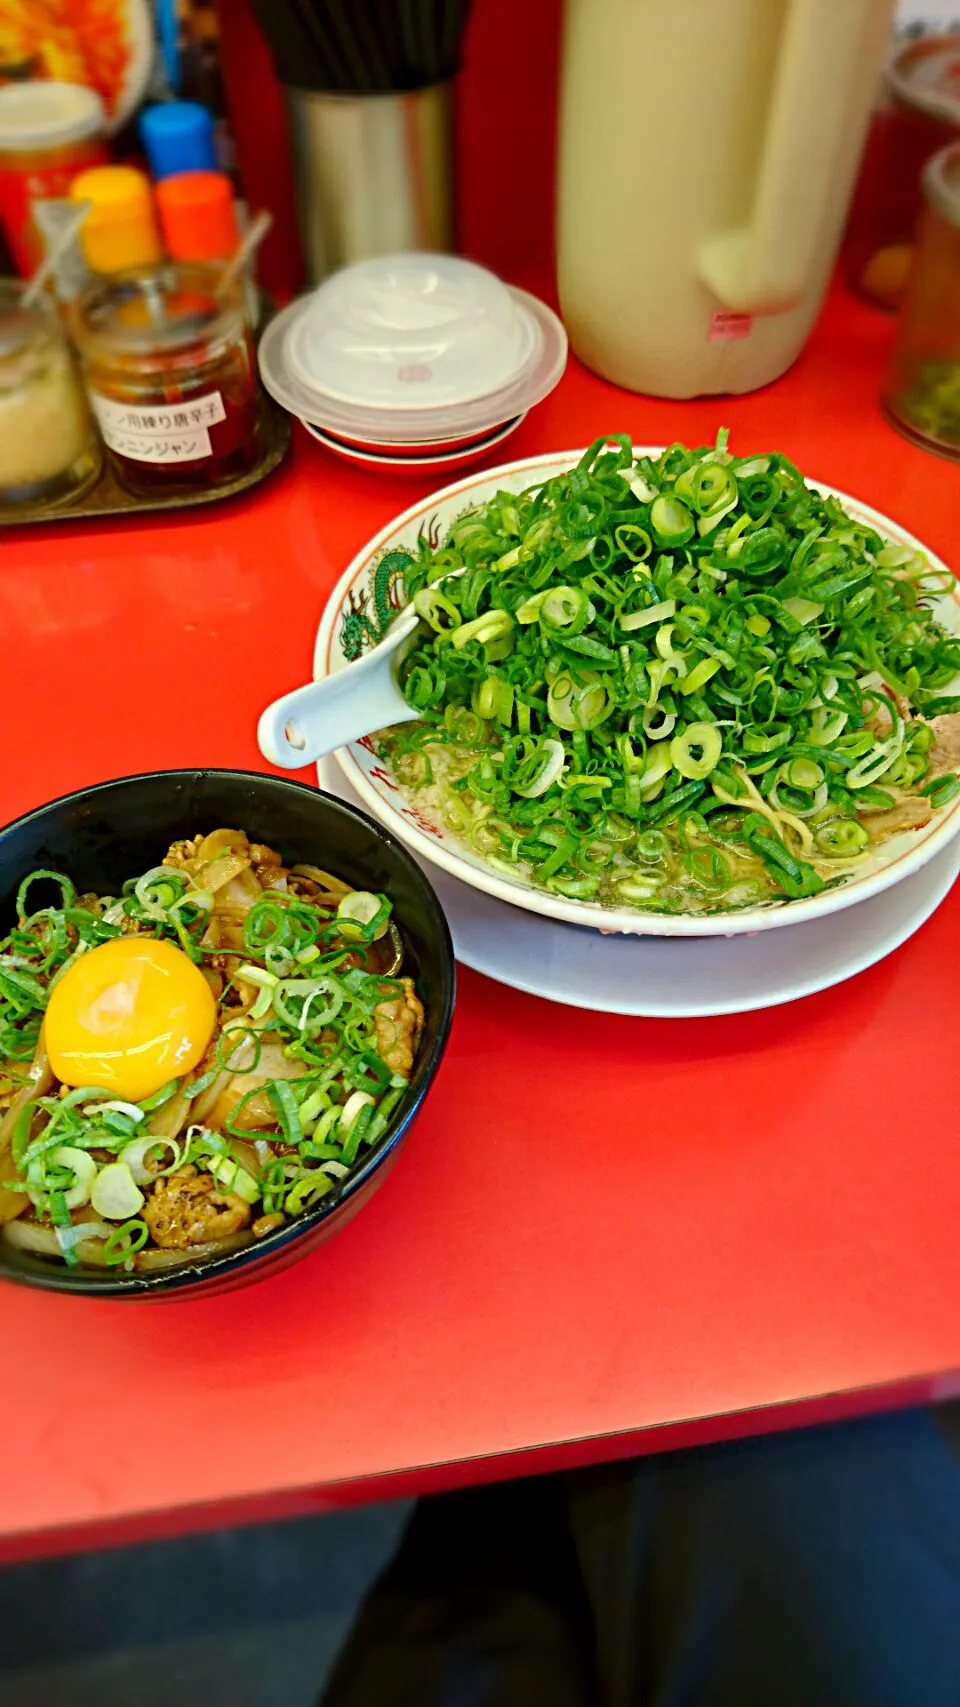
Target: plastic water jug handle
[765, 266]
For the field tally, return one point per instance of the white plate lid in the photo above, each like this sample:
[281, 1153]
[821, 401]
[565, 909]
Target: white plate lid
[409, 332]
[410, 347]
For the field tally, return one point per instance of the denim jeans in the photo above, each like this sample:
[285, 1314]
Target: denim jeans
[815, 1568]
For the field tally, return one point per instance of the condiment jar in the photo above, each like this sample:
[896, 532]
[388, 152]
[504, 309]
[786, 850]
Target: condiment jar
[120, 231]
[921, 388]
[49, 133]
[919, 112]
[49, 452]
[170, 374]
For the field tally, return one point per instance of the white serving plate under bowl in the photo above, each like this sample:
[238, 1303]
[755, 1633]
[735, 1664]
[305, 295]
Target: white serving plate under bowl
[661, 978]
[342, 637]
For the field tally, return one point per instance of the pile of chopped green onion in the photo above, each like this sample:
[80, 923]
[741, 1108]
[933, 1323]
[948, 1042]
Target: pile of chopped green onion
[683, 684]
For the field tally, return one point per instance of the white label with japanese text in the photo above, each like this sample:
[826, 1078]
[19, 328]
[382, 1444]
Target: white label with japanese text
[177, 432]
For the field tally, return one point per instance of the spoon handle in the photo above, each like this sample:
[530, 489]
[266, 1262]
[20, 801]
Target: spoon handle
[302, 726]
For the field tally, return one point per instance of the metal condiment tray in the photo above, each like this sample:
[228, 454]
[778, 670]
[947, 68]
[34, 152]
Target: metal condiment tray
[107, 497]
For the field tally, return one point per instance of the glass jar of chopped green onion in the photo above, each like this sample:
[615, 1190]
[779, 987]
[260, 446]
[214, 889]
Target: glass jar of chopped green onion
[920, 394]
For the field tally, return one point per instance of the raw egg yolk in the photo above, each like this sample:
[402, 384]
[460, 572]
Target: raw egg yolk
[129, 1016]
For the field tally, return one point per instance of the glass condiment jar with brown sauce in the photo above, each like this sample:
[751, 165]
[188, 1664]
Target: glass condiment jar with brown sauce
[918, 113]
[170, 373]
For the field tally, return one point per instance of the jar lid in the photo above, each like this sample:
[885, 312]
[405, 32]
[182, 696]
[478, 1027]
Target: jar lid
[21, 327]
[48, 115]
[161, 311]
[120, 231]
[178, 137]
[197, 216]
[941, 182]
[926, 75]
[402, 348]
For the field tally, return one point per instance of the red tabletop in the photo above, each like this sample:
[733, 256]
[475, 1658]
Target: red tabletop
[606, 1235]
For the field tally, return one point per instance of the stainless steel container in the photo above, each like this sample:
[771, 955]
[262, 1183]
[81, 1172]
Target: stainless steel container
[374, 174]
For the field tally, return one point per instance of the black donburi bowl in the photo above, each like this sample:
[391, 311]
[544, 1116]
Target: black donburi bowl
[103, 835]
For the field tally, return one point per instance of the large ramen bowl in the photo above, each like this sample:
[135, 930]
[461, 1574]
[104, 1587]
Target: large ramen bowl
[355, 617]
[103, 835]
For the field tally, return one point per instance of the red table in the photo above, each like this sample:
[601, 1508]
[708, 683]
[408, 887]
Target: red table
[606, 1235]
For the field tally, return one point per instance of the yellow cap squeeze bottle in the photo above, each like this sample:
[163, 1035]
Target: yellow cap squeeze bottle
[120, 231]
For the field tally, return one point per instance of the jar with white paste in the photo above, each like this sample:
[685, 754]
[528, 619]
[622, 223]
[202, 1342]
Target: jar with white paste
[49, 451]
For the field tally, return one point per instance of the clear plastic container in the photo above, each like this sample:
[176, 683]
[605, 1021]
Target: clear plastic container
[412, 349]
[921, 388]
[170, 373]
[49, 452]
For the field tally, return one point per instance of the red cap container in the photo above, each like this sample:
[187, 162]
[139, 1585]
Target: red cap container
[197, 216]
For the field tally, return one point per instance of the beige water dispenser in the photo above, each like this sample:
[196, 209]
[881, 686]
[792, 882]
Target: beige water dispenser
[708, 150]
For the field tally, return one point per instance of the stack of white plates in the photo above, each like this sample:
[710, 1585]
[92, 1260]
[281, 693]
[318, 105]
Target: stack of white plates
[413, 361]
[437, 456]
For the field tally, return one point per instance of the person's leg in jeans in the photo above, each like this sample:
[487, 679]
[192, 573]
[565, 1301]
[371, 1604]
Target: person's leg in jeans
[818, 1568]
[481, 1606]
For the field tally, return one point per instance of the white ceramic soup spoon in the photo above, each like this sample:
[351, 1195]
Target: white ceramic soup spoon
[300, 727]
